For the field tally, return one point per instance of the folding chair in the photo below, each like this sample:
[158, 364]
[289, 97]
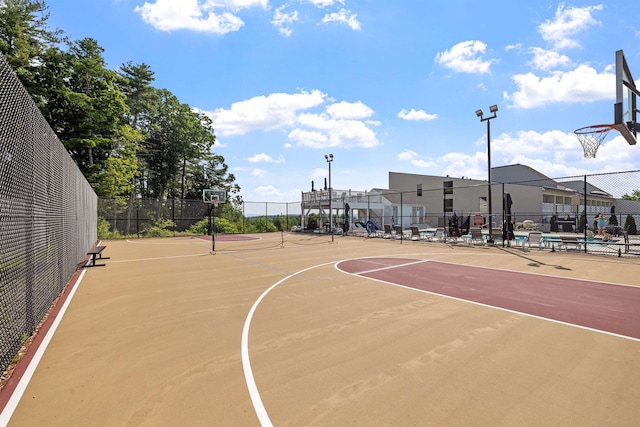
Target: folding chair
[534, 239]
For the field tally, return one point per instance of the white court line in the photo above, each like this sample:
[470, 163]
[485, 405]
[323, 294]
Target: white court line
[158, 258]
[258, 406]
[390, 267]
[12, 404]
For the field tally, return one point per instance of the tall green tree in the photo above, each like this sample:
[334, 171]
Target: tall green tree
[198, 138]
[178, 140]
[93, 106]
[162, 149]
[115, 176]
[25, 37]
[135, 81]
[212, 173]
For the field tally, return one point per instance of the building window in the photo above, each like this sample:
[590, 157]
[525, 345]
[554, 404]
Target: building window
[417, 214]
[448, 205]
[447, 187]
[483, 206]
[419, 190]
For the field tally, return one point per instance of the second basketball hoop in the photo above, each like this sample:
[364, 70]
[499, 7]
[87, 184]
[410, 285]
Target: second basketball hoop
[591, 137]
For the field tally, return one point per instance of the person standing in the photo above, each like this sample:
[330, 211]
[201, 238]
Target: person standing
[601, 223]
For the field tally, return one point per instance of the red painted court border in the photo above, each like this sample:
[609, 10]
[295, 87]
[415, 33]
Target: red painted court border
[10, 386]
[600, 306]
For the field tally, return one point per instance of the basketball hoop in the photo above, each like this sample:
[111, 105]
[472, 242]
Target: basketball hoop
[590, 138]
[215, 203]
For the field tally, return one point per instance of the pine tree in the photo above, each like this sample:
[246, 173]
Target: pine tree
[630, 224]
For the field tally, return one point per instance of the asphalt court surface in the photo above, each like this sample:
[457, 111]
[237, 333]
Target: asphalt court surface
[281, 330]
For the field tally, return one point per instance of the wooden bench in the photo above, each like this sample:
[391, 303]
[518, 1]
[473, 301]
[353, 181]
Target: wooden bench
[96, 254]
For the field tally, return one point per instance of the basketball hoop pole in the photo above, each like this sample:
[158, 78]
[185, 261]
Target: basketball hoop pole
[211, 230]
[213, 196]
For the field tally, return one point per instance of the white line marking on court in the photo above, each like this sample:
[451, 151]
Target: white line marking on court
[493, 306]
[391, 267]
[258, 406]
[12, 404]
[158, 258]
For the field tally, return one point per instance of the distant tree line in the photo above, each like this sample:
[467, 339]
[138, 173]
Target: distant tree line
[129, 138]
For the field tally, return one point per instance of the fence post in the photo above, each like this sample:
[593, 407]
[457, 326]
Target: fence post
[505, 228]
[586, 217]
[138, 219]
[173, 216]
[401, 219]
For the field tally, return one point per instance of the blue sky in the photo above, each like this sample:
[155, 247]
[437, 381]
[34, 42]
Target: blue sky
[383, 85]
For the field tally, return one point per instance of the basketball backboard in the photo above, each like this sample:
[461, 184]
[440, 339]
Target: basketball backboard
[211, 194]
[626, 107]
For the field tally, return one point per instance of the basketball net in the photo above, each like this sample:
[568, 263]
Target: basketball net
[215, 203]
[591, 137]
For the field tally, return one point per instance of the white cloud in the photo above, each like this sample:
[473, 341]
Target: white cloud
[416, 160]
[259, 173]
[339, 133]
[265, 158]
[318, 174]
[465, 165]
[546, 59]
[407, 155]
[349, 110]
[283, 21]
[466, 57]
[270, 112]
[269, 192]
[216, 17]
[306, 138]
[325, 3]
[342, 17]
[223, 16]
[341, 124]
[416, 115]
[584, 84]
[566, 24]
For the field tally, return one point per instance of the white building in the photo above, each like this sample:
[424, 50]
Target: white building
[430, 201]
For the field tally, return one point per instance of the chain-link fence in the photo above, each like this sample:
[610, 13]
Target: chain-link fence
[171, 217]
[595, 213]
[47, 216]
[558, 208]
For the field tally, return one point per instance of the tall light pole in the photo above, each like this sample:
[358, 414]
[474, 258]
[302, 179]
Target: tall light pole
[493, 109]
[329, 159]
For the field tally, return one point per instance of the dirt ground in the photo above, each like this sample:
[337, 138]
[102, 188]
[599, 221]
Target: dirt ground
[155, 338]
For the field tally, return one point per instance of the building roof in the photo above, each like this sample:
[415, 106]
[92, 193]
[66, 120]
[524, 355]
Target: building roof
[522, 174]
[591, 189]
